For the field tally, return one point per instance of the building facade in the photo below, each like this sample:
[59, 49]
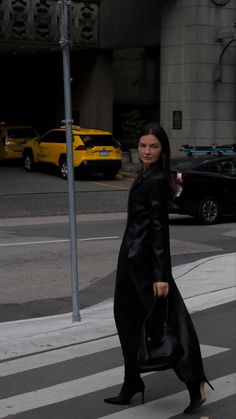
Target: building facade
[198, 71]
[172, 60]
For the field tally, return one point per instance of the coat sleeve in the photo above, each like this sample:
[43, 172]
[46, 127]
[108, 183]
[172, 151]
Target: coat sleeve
[158, 198]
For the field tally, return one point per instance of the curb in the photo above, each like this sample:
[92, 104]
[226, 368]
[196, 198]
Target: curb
[205, 283]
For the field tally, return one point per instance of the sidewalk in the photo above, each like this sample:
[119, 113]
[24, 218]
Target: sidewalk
[205, 283]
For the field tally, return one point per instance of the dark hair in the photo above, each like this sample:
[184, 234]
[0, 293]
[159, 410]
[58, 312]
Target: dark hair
[154, 128]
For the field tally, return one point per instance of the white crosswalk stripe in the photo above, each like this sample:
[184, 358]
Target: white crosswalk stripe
[60, 392]
[85, 385]
[59, 355]
[172, 405]
[76, 351]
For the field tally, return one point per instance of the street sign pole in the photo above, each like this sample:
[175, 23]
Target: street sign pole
[65, 43]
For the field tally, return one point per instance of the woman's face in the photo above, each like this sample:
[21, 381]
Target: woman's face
[149, 149]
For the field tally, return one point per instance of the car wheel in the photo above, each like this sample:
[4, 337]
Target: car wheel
[28, 161]
[63, 169]
[208, 210]
[109, 175]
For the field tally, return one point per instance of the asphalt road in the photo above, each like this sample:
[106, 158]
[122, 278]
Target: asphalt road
[45, 193]
[35, 281]
[34, 240]
[70, 382]
[35, 262]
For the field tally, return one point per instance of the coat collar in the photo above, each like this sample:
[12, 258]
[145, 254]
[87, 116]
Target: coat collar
[144, 174]
[157, 167]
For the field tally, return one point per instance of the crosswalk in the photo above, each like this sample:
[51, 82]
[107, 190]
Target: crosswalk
[86, 369]
[170, 406]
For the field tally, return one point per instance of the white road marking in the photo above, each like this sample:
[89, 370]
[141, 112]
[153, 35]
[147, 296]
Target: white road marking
[210, 299]
[60, 392]
[76, 351]
[172, 405]
[57, 241]
[58, 355]
[165, 407]
[70, 389]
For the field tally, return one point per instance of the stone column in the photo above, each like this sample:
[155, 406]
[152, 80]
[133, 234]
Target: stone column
[195, 108]
[93, 89]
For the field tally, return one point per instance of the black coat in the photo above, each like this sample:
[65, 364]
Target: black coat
[144, 258]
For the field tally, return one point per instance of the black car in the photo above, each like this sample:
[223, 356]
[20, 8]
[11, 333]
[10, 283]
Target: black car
[205, 188]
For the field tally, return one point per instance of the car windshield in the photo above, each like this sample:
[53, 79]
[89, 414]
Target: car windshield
[22, 133]
[99, 140]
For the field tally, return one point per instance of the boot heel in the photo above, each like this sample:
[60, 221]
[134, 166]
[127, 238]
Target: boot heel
[143, 397]
[209, 384]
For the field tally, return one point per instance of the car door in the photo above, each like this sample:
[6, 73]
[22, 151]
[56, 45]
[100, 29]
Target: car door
[41, 148]
[50, 145]
[227, 183]
[56, 145]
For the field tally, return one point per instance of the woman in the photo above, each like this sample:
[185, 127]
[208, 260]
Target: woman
[144, 271]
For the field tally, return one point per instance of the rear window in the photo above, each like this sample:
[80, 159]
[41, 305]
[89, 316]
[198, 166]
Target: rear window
[99, 140]
[221, 166]
[192, 163]
[22, 133]
[182, 165]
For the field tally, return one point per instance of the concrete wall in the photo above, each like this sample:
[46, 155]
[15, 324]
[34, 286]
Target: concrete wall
[129, 23]
[92, 89]
[136, 76]
[189, 54]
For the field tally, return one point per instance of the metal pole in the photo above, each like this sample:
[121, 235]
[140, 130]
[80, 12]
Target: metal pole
[65, 45]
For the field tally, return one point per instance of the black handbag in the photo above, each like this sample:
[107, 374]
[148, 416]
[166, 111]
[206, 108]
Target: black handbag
[158, 353]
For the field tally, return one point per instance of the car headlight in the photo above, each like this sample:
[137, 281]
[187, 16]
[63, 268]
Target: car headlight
[6, 141]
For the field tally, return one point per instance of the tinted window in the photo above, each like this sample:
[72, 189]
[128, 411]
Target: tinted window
[22, 133]
[222, 166]
[54, 137]
[228, 167]
[189, 163]
[210, 168]
[99, 140]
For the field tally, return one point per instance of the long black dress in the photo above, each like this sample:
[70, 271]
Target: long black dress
[144, 258]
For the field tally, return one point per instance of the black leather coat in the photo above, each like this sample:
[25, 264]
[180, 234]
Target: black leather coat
[144, 258]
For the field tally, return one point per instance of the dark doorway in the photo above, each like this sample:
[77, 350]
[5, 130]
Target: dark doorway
[32, 89]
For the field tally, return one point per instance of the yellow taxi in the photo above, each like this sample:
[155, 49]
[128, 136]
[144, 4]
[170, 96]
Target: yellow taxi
[12, 139]
[94, 151]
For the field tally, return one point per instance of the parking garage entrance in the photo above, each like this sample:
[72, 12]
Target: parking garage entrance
[31, 89]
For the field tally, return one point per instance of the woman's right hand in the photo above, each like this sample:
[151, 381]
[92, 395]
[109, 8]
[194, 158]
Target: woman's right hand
[161, 289]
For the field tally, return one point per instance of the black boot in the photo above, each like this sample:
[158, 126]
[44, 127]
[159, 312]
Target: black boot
[197, 394]
[129, 388]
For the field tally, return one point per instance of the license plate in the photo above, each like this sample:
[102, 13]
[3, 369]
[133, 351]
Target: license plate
[104, 153]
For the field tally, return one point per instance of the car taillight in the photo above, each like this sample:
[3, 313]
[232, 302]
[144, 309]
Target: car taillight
[180, 177]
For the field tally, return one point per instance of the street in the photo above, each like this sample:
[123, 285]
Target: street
[101, 89]
[45, 193]
[35, 263]
[70, 380]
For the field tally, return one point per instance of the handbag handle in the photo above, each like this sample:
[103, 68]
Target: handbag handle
[152, 307]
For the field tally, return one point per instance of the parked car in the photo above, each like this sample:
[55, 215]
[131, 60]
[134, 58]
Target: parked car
[205, 188]
[12, 139]
[95, 151]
